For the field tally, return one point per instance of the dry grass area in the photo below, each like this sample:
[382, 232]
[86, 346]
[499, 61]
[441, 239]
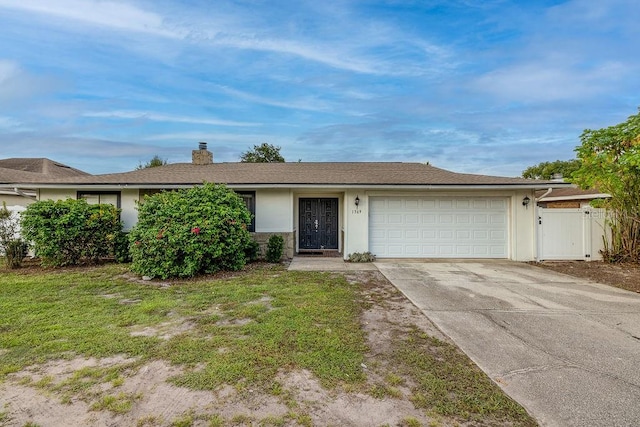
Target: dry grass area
[623, 276]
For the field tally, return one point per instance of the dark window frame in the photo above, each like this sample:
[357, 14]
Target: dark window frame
[251, 206]
[80, 194]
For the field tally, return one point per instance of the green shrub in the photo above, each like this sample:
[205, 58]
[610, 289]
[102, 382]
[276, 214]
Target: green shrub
[252, 251]
[121, 251]
[15, 251]
[362, 257]
[68, 232]
[275, 248]
[191, 231]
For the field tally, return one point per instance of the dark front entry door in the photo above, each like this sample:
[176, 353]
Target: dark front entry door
[318, 223]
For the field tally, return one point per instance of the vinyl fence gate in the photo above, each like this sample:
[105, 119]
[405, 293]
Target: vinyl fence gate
[571, 234]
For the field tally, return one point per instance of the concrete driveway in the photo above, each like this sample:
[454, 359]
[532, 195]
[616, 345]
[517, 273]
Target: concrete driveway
[566, 349]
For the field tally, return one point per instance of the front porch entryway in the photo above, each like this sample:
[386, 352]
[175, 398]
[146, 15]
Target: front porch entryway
[318, 224]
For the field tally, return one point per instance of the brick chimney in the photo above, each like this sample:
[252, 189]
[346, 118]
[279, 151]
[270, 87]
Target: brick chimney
[201, 156]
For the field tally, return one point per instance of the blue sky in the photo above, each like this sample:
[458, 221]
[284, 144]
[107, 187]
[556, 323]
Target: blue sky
[476, 86]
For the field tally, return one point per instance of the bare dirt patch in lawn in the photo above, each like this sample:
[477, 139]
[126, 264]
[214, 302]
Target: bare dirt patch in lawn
[121, 391]
[624, 276]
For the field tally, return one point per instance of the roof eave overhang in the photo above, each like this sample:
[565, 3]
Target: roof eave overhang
[111, 186]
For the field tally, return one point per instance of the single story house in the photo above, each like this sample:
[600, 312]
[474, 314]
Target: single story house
[394, 210]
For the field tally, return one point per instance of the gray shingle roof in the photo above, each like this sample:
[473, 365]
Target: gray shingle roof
[303, 173]
[34, 170]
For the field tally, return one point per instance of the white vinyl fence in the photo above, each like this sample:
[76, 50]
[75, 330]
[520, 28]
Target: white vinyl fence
[571, 234]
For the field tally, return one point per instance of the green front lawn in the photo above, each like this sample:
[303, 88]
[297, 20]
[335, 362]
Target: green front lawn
[237, 330]
[242, 330]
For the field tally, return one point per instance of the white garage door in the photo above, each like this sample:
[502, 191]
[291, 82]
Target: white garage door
[438, 227]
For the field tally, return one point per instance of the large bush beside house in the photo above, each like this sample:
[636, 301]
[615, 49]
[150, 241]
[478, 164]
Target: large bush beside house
[68, 232]
[187, 232]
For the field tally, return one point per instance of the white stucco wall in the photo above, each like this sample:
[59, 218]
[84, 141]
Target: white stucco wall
[274, 211]
[11, 200]
[129, 215]
[523, 229]
[356, 222]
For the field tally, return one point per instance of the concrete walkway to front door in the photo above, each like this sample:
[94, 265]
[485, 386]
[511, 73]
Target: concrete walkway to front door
[566, 349]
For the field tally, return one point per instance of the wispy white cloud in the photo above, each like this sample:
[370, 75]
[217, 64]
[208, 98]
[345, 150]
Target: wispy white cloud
[109, 14]
[354, 51]
[158, 117]
[308, 104]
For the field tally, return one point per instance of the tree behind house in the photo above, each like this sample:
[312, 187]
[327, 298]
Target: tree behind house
[154, 162]
[551, 170]
[263, 153]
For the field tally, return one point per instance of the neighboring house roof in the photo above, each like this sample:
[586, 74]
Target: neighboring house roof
[41, 166]
[32, 170]
[291, 174]
[559, 194]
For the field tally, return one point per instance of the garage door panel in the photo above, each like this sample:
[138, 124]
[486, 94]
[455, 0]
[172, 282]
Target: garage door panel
[463, 235]
[445, 218]
[412, 204]
[498, 204]
[463, 250]
[497, 219]
[480, 219]
[463, 219]
[462, 204]
[395, 234]
[395, 204]
[429, 234]
[445, 204]
[480, 234]
[394, 218]
[427, 204]
[438, 227]
[429, 219]
[412, 234]
[412, 219]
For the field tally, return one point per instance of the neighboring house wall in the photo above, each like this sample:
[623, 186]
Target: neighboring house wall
[566, 204]
[11, 200]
